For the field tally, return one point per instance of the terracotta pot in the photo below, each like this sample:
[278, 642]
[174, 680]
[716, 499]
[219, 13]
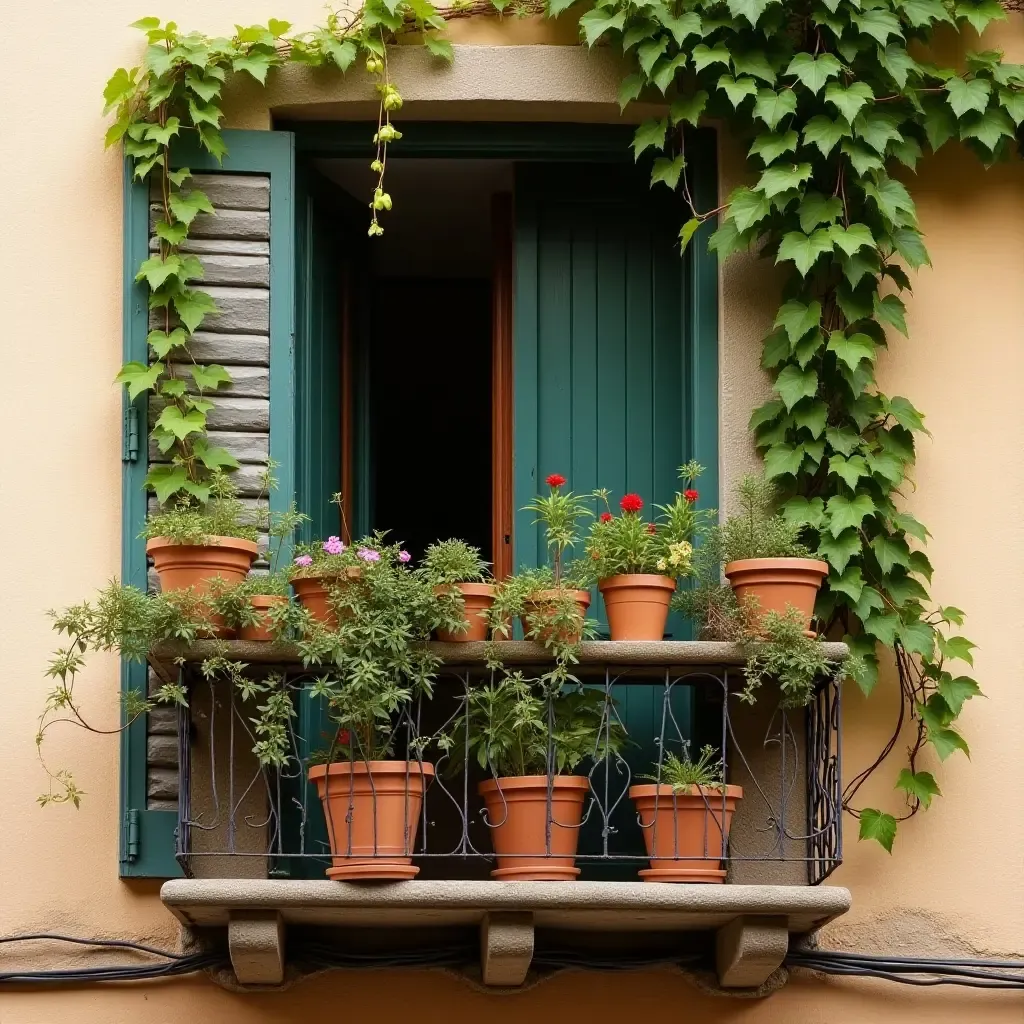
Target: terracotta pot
[685, 833]
[535, 841]
[195, 566]
[637, 605]
[478, 598]
[536, 606]
[313, 592]
[261, 603]
[778, 583]
[373, 812]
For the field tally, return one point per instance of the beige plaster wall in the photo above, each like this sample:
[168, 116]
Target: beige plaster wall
[956, 881]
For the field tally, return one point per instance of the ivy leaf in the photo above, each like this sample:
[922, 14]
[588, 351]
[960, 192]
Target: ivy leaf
[957, 648]
[186, 205]
[965, 96]
[173, 234]
[890, 552]
[947, 742]
[138, 377]
[629, 88]
[845, 512]
[180, 424]
[728, 239]
[213, 458]
[817, 209]
[120, 85]
[686, 232]
[595, 23]
[704, 55]
[921, 786]
[192, 306]
[650, 133]
[783, 177]
[891, 309]
[649, 51]
[256, 63]
[893, 201]
[910, 246]
[689, 108]
[163, 135]
[939, 124]
[681, 27]
[878, 24]
[667, 170]
[209, 378]
[798, 319]
[782, 459]
[921, 564]
[804, 511]
[877, 128]
[172, 389]
[771, 107]
[156, 270]
[842, 439]
[344, 51]
[850, 239]
[814, 72]
[824, 133]
[863, 159]
[747, 207]
[804, 250]
[180, 176]
[848, 470]
[956, 691]
[980, 13]
[1013, 102]
[166, 481]
[765, 413]
[989, 128]
[907, 416]
[811, 417]
[794, 384]
[161, 342]
[895, 59]
[769, 146]
[755, 63]
[849, 100]
[908, 152]
[749, 9]
[883, 628]
[851, 350]
[838, 551]
[737, 89]
[952, 614]
[865, 665]
[849, 582]
[870, 601]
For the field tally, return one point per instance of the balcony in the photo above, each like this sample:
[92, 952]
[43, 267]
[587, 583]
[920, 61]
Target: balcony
[252, 843]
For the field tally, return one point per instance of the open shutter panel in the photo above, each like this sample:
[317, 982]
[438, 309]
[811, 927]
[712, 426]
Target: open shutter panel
[246, 250]
[615, 375]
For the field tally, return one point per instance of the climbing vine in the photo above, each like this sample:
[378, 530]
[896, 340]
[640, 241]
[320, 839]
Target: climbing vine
[838, 100]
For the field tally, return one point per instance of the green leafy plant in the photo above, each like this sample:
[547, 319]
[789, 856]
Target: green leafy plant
[683, 775]
[453, 561]
[560, 512]
[627, 544]
[189, 522]
[516, 726]
[758, 529]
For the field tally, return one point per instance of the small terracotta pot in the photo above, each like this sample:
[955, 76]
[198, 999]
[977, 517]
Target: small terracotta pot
[637, 605]
[195, 566]
[478, 598]
[313, 592]
[373, 813]
[778, 583]
[535, 841]
[686, 832]
[536, 606]
[261, 603]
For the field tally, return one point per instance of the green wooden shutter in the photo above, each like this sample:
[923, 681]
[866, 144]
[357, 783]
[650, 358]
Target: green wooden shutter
[146, 846]
[615, 373]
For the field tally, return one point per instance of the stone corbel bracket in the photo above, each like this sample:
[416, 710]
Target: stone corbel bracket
[750, 925]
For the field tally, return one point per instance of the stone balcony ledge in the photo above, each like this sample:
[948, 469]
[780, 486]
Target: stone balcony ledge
[749, 925]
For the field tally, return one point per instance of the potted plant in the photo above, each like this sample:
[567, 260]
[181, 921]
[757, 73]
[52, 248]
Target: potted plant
[321, 569]
[459, 577]
[371, 799]
[765, 563]
[534, 802]
[637, 563]
[685, 815]
[193, 544]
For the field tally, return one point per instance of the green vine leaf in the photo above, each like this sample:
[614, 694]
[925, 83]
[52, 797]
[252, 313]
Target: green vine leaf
[192, 306]
[650, 134]
[187, 205]
[798, 319]
[769, 146]
[737, 89]
[879, 826]
[850, 350]
[793, 384]
[688, 108]
[771, 107]
[849, 100]
[919, 786]
[138, 377]
[814, 72]
[704, 56]
[844, 512]
[839, 551]
[804, 250]
[956, 691]
[181, 424]
[825, 133]
[597, 22]
[209, 378]
[980, 13]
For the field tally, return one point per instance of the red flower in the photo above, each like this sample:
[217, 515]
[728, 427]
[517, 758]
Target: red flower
[691, 496]
[631, 503]
[555, 480]
[606, 517]
[651, 528]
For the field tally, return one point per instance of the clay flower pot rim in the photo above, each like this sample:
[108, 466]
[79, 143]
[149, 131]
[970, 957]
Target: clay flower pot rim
[540, 596]
[309, 576]
[474, 589]
[319, 771]
[239, 543]
[748, 564]
[533, 782]
[637, 579]
[663, 789]
[266, 600]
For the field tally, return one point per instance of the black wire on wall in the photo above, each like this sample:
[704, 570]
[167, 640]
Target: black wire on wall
[924, 971]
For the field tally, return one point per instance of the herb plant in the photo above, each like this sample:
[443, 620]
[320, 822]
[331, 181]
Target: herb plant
[453, 561]
[683, 775]
[188, 521]
[758, 529]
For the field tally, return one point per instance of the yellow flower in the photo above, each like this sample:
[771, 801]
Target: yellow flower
[662, 565]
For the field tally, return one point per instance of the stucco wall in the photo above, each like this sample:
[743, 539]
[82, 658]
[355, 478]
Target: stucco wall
[955, 881]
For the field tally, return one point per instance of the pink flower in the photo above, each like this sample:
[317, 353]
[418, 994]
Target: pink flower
[368, 555]
[333, 546]
[404, 556]
[304, 560]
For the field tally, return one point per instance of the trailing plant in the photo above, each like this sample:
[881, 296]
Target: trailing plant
[758, 529]
[516, 726]
[683, 775]
[625, 543]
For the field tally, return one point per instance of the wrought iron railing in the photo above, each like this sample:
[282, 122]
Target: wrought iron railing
[238, 818]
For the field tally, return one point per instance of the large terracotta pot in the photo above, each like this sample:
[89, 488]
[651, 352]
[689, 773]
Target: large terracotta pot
[261, 603]
[195, 566]
[534, 839]
[685, 832]
[778, 583]
[637, 605]
[540, 605]
[373, 812]
[478, 598]
[313, 593]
